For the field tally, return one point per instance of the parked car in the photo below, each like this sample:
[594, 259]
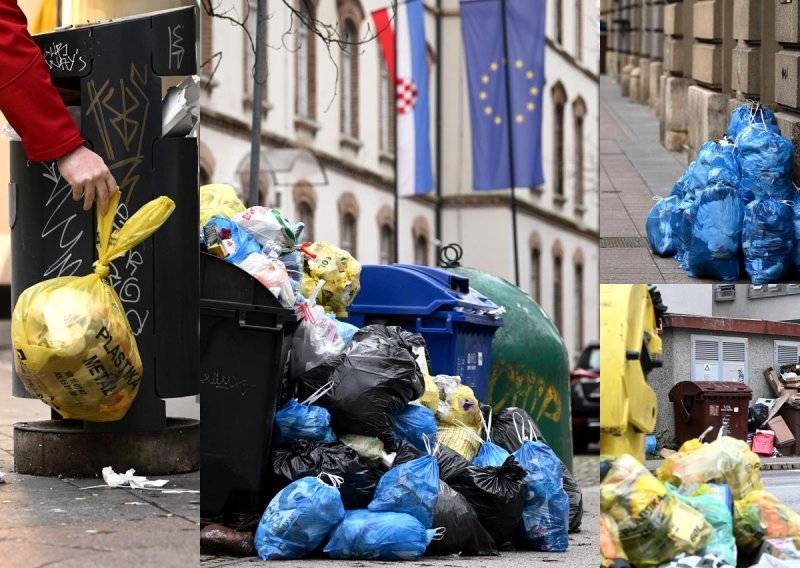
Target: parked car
[585, 395]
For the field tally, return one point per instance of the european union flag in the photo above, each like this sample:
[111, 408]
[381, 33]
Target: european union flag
[490, 71]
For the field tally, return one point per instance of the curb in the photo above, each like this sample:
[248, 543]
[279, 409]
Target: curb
[767, 464]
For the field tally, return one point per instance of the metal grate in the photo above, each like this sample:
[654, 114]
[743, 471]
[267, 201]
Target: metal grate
[705, 350]
[787, 355]
[624, 242]
[733, 352]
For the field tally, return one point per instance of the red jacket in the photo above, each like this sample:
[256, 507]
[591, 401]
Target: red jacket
[27, 97]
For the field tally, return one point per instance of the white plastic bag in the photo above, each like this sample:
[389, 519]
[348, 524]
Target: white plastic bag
[271, 229]
[272, 274]
[315, 339]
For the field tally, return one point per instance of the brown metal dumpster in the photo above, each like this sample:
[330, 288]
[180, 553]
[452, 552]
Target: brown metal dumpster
[700, 404]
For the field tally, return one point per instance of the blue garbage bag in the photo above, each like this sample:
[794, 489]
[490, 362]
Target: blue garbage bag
[545, 518]
[765, 158]
[415, 422]
[724, 167]
[659, 228]
[796, 210]
[298, 519]
[747, 114]
[490, 455]
[410, 488]
[242, 243]
[716, 512]
[303, 421]
[682, 185]
[768, 240]
[705, 155]
[715, 248]
[366, 535]
[681, 224]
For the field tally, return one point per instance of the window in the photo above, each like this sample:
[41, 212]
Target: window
[558, 303]
[579, 29]
[387, 244]
[386, 104]
[786, 353]
[717, 358]
[579, 112]
[725, 292]
[559, 21]
[578, 305]
[251, 12]
[559, 101]
[349, 87]
[536, 268]
[305, 66]
[421, 250]
[349, 233]
[305, 214]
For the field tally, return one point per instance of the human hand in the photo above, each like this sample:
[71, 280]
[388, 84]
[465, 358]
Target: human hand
[89, 177]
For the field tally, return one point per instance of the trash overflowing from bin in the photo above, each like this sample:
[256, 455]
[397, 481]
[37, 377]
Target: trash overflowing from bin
[733, 213]
[705, 506]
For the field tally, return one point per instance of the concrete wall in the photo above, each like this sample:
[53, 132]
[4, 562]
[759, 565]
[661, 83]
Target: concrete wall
[777, 308]
[677, 367]
[690, 299]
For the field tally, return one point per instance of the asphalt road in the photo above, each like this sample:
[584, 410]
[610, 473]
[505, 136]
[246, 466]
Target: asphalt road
[785, 485]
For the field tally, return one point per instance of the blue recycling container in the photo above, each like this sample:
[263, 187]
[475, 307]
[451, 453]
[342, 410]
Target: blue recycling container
[453, 318]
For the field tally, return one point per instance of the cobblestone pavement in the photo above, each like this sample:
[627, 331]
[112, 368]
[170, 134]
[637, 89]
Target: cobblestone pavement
[634, 168]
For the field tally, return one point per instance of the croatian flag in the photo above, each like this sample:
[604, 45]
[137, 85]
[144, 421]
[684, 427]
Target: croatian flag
[403, 41]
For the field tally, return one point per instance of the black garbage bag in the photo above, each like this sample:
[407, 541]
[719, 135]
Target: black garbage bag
[505, 436]
[450, 461]
[498, 497]
[463, 532]
[756, 416]
[374, 379]
[297, 458]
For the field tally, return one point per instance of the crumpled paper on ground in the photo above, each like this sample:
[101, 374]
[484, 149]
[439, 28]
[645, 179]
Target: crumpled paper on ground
[129, 479]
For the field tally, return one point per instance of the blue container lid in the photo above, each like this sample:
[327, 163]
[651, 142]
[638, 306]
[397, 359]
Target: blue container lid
[409, 289]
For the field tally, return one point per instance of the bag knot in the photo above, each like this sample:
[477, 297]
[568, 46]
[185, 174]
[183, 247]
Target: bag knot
[101, 269]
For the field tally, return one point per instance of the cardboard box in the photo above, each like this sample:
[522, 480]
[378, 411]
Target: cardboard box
[774, 381]
[783, 436]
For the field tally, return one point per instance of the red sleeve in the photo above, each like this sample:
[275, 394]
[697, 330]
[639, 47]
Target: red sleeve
[27, 96]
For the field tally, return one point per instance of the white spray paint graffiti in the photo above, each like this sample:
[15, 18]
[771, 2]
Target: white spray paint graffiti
[64, 265]
[60, 56]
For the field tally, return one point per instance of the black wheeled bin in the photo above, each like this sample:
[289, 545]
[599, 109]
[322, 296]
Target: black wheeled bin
[245, 335]
[702, 404]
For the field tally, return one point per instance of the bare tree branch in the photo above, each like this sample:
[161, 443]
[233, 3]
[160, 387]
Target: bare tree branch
[215, 59]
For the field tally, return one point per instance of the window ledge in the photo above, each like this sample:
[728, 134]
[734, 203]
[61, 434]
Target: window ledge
[580, 210]
[306, 124]
[247, 102]
[347, 141]
[559, 200]
[386, 158]
[537, 191]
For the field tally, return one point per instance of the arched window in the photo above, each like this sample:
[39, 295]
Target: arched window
[559, 101]
[306, 61]
[349, 87]
[305, 203]
[559, 21]
[207, 164]
[579, 112]
[420, 231]
[536, 268]
[578, 300]
[348, 223]
[558, 286]
[251, 12]
[386, 229]
[386, 104]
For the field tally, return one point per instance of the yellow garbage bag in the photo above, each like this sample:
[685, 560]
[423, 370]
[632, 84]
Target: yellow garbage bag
[760, 516]
[459, 439]
[340, 271]
[73, 346]
[218, 200]
[610, 545]
[726, 459]
[654, 526]
[458, 416]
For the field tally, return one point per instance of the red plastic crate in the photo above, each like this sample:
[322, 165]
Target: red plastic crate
[763, 442]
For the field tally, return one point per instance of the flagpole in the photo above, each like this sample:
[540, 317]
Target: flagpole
[438, 212]
[396, 178]
[510, 124]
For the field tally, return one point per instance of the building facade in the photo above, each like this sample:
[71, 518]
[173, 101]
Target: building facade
[329, 115]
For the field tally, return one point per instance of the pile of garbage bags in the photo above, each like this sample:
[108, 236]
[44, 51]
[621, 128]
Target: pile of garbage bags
[263, 242]
[375, 459]
[705, 506]
[734, 211]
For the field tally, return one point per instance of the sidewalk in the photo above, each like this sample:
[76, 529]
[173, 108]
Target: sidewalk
[47, 521]
[634, 167]
[767, 464]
